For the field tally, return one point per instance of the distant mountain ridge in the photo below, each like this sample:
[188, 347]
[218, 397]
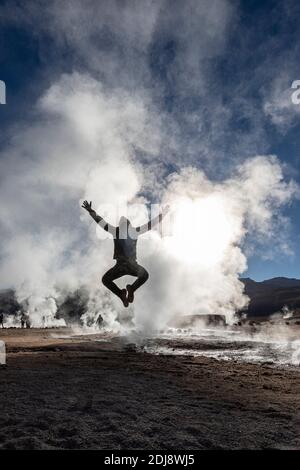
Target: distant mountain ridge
[270, 296]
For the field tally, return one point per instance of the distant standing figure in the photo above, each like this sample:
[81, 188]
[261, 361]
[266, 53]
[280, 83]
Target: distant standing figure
[1, 320]
[23, 320]
[27, 323]
[125, 240]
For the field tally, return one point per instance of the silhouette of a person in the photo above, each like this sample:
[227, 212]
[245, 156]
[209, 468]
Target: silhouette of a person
[23, 320]
[125, 241]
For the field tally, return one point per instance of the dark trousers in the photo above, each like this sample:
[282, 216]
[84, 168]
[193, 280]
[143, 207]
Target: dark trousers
[123, 267]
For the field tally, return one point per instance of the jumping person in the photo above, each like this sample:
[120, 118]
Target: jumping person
[125, 240]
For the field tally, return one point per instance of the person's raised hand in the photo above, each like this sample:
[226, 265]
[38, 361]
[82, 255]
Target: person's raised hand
[87, 206]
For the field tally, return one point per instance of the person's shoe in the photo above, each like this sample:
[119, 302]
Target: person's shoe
[130, 293]
[124, 297]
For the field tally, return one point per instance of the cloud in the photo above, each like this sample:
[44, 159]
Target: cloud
[168, 54]
[82, 145]
[87, 144]
[196, 270]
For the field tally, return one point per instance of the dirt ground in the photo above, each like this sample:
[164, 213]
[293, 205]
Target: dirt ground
[79, 393]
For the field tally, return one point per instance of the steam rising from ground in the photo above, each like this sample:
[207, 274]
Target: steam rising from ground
[196, 270]
[277, 345]
[87, 145]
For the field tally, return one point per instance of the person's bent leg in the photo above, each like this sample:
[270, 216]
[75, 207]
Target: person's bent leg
[108, 279]
[142, 276]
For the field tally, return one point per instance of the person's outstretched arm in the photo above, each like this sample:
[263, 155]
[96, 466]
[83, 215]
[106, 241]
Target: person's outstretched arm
[156, 220]
[100, 221]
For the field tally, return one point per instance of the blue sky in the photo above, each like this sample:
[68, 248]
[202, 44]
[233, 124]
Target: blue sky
[225, 92]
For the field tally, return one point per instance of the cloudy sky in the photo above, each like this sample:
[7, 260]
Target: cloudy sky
[204, 84]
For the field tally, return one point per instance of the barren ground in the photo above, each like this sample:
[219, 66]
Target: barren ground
[83, 394]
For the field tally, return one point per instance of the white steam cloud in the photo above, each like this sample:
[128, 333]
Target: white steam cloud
[86, 146]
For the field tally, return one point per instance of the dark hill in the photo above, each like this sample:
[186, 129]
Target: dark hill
[272, 295]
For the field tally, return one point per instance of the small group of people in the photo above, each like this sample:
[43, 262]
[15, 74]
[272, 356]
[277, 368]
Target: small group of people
[24, 319]
[25, 323]
[125, 242]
